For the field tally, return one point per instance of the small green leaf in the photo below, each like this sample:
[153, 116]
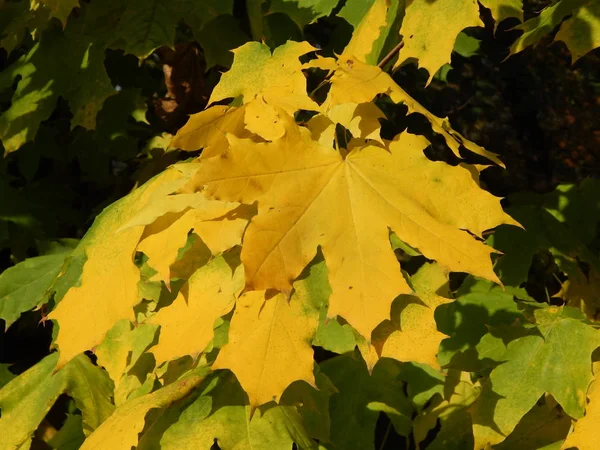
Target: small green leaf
[26, 400]
[26, 285]
[555, 358]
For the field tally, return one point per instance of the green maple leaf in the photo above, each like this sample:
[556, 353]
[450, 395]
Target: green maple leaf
[466, 320]
[26, 285]
[61, 9]
[26, 400]
[220, 414]
[303, 12]
[140, 27]
[61, 64]
[17, 19]
[70, 436]
[563, 222]
[555, 357]
[355, 408]
[539, 26]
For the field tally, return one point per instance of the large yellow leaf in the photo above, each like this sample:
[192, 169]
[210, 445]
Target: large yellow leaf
[354, 81]
[270, 344]
[186, 326]
[309, 195]
[418, 339]
[109, 281]
[207, 130]
[277, 77]
[429, 30]
[120, 431]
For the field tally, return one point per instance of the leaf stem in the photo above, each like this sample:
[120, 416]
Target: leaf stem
[386, 59]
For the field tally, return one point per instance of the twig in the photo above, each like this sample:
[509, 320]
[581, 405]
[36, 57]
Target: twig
[386, 59]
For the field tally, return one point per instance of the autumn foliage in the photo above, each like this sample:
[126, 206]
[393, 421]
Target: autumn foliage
[208, 295]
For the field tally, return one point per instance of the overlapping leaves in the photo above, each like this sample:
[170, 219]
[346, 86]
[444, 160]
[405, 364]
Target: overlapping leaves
[203, 292]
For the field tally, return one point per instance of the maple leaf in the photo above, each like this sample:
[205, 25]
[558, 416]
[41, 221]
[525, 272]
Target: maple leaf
[186, 326]
[583, 292]
[27, 284]
[171, 218]
[581, 39]
[120, 351]
[61, 9]
[544, 426]
[110, 277]
[207, 130]
[269, 344]
[360, 119]
[367, 32]
[220, 414]
[467, 320]
[354, 410]
[303, 12]
[122, 428]
[450, 413]
[539, 26]
[585, 434]
[503, 9]
[140, 27]
[418, 338]
[85, 84]
[429, 30]
[357, 82]
[26, 400]
[555, 358]
[276, 77]
[309, 195]
[18, 19]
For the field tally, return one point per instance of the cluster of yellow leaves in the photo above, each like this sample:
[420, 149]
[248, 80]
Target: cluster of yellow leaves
[283, 191]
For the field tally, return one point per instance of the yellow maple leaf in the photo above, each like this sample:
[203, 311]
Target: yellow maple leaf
[429, 30]
[583, 292]
[362, 120]
[503, 9]
[368, 31]
[162, 245]
[310, 195]
[263, 119]
[207, 130]
[270, 344]
[418, 339]
[186, 326]
[110, 278]
[277, 77]
[357, 82]
[586, 434]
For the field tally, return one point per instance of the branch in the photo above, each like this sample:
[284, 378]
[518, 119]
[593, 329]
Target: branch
[390, 55]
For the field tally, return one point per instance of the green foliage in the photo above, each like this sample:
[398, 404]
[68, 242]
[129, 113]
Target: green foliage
[317, 277]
